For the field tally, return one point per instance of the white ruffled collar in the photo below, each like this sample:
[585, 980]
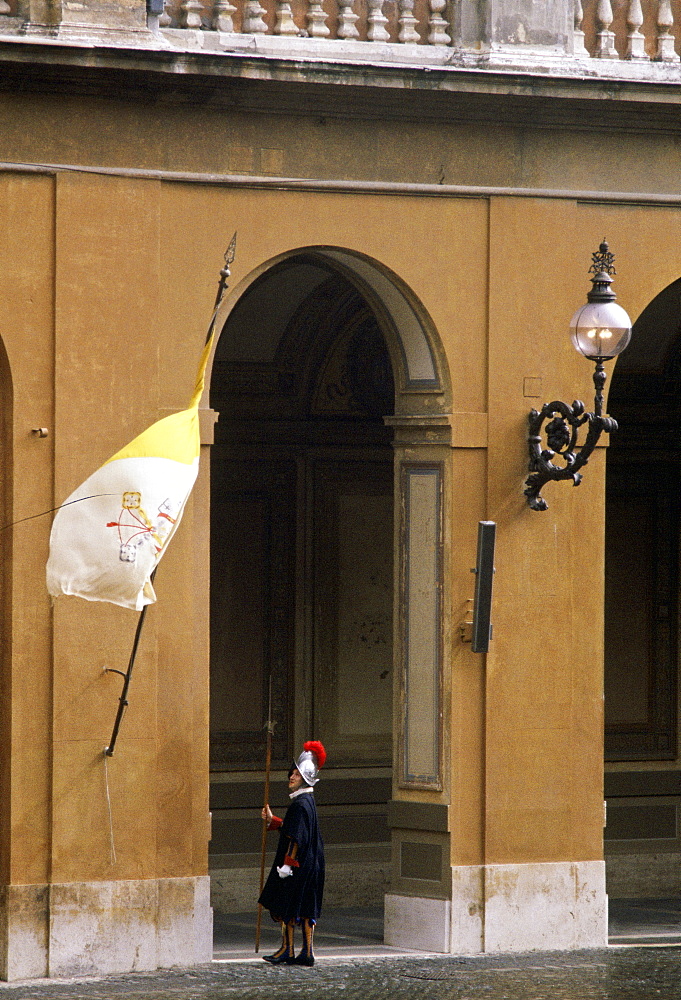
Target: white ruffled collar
[300, 791]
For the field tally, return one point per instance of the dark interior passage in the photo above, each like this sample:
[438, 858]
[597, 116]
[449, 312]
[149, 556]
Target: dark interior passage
[642, 607]
[302, 566]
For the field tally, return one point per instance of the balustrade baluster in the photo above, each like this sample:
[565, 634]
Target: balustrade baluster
[578, 47]
[316, 20]
[346, 20]
[4, 7]
[636, 42]
[665, 39]
[165, 19]
[191, 13]
[605, 38]
[407, 22]
[437, 24]
[285, 25]
[253, 23]
[222, 17]
[377, 21]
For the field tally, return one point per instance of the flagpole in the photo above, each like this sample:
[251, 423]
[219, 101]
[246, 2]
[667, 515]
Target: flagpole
[230, 253]
[269, 726]
[123, 700]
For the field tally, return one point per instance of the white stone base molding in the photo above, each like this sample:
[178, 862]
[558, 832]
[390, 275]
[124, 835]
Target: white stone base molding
[544, 907]
[559, 906]
[95, 928]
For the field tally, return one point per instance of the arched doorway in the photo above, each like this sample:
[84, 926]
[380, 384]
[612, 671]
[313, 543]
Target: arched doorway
[643, 520]
[324, 372]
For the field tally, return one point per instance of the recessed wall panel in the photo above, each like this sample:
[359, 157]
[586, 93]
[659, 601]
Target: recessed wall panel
[422, 628]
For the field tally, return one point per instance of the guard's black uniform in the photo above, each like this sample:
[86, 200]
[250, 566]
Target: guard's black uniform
[299, 896]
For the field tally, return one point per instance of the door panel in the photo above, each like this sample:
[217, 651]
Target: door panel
[353, 598]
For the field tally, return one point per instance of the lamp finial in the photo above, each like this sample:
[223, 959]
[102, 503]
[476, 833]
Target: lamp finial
[603, 260]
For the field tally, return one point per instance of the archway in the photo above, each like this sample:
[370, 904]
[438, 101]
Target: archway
[323, 361]
[643, 522]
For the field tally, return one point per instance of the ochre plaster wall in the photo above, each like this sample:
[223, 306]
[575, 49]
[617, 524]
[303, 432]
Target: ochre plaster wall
[543, 691]
[26, 318]
[544, 672]
[130, 269]
[109, 387]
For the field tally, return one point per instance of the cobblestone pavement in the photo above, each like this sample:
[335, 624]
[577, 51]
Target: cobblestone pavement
[651, 973]
[643, 963]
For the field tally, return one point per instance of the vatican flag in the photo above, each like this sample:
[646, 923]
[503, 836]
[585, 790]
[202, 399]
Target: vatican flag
[109, 535]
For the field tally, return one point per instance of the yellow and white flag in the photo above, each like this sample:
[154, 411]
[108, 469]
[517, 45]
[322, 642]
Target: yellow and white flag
[110, 534]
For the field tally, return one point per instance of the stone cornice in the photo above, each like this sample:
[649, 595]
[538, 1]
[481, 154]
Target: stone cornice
[253, 81]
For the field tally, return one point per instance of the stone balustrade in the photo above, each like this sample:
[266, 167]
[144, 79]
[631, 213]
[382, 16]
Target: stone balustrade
[636, 30]
[613, 38]
[403, 22]
[632, 30]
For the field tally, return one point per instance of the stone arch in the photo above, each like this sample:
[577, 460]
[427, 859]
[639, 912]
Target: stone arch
[422, 375]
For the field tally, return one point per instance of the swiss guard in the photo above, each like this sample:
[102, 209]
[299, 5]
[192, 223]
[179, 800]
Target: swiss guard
[295, 885]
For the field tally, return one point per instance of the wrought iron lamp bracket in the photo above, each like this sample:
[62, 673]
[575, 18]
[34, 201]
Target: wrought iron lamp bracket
[562, 430]
[600, 330]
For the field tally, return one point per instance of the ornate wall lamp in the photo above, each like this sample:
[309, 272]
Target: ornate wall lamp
[600, 330]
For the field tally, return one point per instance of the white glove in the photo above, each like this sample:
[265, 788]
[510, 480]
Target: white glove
[284, 871]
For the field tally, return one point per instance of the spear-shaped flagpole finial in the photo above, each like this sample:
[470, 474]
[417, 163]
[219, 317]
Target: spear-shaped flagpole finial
[230, 254]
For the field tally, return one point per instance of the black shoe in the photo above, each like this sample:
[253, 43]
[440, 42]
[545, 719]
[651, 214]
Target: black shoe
[279, 958]
[303, 959]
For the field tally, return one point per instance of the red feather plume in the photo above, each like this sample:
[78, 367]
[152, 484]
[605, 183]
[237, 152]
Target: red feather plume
[315, 747]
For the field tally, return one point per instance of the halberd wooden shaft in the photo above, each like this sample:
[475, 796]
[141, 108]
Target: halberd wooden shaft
[266, 798]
